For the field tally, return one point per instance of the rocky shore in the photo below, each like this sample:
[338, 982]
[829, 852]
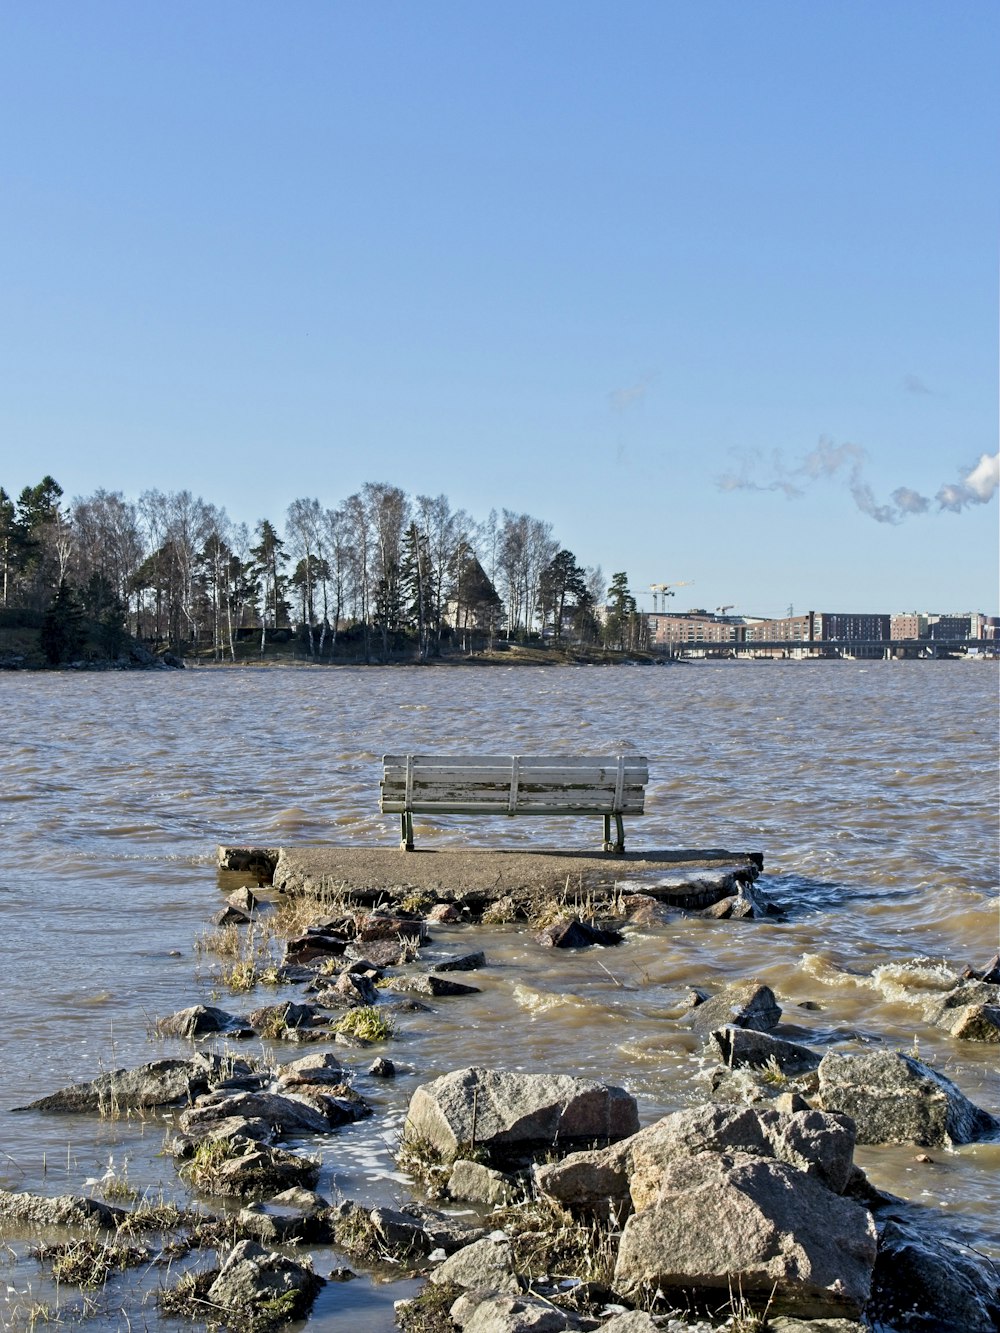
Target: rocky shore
[536, 1201]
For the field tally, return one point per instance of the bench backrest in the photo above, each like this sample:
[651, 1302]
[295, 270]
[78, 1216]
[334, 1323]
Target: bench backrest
[513, 784]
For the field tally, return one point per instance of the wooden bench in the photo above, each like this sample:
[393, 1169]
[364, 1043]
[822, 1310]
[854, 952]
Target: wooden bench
[422, 784]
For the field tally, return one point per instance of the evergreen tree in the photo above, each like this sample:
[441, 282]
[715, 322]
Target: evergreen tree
[63, 633]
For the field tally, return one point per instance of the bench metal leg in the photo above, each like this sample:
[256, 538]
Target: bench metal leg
[406, 831]
[619, 845]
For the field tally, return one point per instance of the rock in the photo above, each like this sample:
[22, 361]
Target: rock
[382, 1068]
[379, 954]
[991, 973]
[400, 1233]
[288, 1115]
[383, 926]
[632, 1321]
[626, 1175]
[693, 889]
[230, 1129]
[430, 983]
[445, 912]
[159, 1083]
[251, 1275]
[894, 1098]
[244, 900]
[306, 947]
[486, 1265]
[576, 934]
[721, 910]
[478, 1312]
[924, 1279]
[258, 1172]
[231, 916]
[976, 1022]
[447, 1232]
[509, 1113]
[284, 1017]
[971, 1011]
[66, 1210]
[351, 988]
[294, 1214]
[472, 1182]
[784, 1324]
[724, 1222]
[745, 1004]
[467, 962]
[320, 1067]
[737, 1046]
[259, 861]
[199, 1019]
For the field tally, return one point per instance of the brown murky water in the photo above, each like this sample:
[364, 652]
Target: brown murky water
[871, 788]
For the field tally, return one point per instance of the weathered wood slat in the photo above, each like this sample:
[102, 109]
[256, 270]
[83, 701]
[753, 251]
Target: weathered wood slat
[527, 773]
[540, 806]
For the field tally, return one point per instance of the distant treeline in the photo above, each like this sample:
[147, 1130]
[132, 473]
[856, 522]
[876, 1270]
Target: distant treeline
[381, 574]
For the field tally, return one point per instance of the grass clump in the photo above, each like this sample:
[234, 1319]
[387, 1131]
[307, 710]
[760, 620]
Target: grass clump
[366, 1022]
[89, 1262]
[428, 1312]
[549, 1241]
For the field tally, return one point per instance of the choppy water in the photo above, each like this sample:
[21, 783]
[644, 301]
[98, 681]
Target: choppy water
[871, 788]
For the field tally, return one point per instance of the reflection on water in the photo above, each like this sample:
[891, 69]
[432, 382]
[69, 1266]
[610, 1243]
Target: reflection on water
[871, 792]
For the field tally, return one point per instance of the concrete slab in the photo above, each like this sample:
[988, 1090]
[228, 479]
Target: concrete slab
[450, 873]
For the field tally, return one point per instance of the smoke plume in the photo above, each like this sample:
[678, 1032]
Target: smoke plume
[846, 463]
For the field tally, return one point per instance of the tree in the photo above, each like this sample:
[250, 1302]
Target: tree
[387, 511]
[304, 528]
[622, 608]
[562, 578]
[268, 557]
[63, 631]
[108, 542]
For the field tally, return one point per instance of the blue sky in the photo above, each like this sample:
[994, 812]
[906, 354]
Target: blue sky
[712, 287]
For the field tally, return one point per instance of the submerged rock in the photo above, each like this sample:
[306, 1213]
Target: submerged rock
[925, 1278]
[66, 1210]
[159, 1083]
[894, 1098]
[576, 934]
[199, 1019]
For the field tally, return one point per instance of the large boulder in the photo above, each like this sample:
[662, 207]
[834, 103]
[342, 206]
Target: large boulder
[506, 1113]
[722, 1222]
[287, 1115]
[894, 1098]
[627, 1176]
[251, 1275]
[744, 1004]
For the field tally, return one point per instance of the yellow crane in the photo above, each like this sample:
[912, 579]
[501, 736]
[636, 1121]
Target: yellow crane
[666, 590]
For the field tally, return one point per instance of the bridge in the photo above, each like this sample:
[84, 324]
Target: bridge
[870, 648]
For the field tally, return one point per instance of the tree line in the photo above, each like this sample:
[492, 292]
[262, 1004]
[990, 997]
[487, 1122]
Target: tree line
[380, 574]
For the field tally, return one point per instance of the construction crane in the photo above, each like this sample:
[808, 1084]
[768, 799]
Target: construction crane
[721, 610]
[666, 590]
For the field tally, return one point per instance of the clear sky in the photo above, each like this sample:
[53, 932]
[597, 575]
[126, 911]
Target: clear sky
[712, 286]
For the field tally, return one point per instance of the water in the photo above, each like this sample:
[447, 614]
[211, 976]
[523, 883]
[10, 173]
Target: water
[870, 787]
